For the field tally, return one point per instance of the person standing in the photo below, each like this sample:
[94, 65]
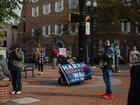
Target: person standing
[134, 63]
[41, 60]
[54, 55]
[118, 57]
[15, 64]
[108, 58]
[134, 57]
[35, 54]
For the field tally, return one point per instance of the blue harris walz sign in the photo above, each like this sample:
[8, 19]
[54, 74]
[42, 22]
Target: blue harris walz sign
[73, 72]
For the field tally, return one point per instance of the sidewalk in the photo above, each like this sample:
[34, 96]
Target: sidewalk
[44, 90]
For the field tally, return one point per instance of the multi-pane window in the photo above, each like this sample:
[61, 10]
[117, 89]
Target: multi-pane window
[126, 1]
[34, 1]
[35, 11]
[125, 27]
[59, 5]
[46, 30]
[73, 4]
[58, 29]
[47, 8]
[73, 28]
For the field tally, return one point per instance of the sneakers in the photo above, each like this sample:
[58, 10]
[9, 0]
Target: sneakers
[18, 92]
[107, 96]
[40, 73]
[103, 94]
[13, 92]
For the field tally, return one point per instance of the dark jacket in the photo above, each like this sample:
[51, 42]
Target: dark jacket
[16, 60]
[108, 57]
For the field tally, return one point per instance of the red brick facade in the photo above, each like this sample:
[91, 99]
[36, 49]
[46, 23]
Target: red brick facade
[4, 90]
[68, 40]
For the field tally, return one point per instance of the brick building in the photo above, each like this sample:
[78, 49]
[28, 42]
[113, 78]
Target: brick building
[10, 36]
[52, 20]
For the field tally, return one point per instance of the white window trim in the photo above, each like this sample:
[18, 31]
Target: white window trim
[44, 30]
[48, 7]
[137, 30]
[73, 4]
[35, 1]
[33, 32]
[35, 9]
[56, 29]
[128, 27]
[61, 8]
[49, 30]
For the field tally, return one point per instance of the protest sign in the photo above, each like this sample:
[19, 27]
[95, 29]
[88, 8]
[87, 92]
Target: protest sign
[73, 72]
[62, 51]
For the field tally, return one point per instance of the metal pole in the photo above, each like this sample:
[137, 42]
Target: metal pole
[82, 36]
[93, 32]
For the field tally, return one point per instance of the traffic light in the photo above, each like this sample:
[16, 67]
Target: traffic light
[74, 17]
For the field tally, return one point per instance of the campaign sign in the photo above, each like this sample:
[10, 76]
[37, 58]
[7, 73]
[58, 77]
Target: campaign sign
[73, 72]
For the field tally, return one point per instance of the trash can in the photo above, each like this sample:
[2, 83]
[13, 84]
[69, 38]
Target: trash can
[134, 89]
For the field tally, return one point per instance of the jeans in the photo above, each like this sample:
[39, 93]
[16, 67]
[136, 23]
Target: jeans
[107, 73]
[36, 64]
[40, 67]
[16, 80]
[54, 62]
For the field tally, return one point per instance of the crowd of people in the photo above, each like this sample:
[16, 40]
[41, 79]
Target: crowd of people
[110, 63]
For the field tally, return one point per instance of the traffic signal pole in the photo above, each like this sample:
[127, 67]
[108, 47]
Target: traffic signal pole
[82, 36]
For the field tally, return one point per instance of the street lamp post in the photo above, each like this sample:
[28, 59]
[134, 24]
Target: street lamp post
[93, 6]
[82, 37]
[54, 40]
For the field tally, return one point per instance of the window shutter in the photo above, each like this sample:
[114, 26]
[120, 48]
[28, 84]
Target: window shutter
[49, 8]
[56, 29]
[33, 31]
[44, 8]
[37, 11]
[32, 11]
[62, 26]
[122, 28]
[62, 5]
[44, 30]
[128, 26]
[49, 30]
[56, 6]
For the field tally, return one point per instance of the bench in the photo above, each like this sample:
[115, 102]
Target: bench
[29, 68]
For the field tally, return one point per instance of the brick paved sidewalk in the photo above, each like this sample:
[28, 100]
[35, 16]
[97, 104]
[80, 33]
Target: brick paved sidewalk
[46, 91]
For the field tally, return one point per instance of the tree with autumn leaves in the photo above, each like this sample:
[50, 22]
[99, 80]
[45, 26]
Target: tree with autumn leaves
[116, 11]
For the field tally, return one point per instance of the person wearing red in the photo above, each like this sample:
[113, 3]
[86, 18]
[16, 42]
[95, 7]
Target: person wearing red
[54, 56]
